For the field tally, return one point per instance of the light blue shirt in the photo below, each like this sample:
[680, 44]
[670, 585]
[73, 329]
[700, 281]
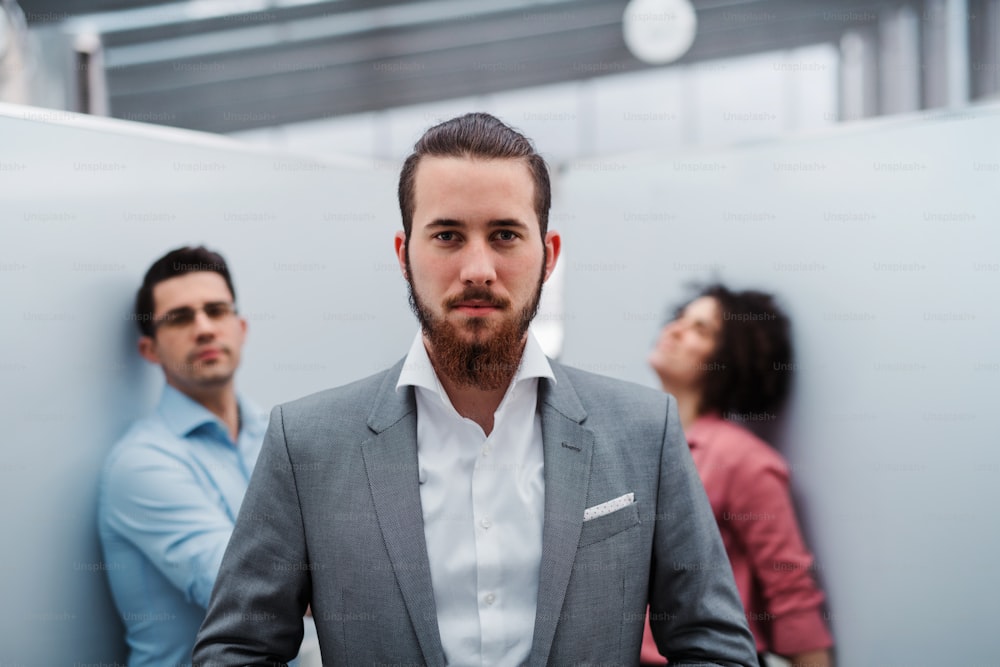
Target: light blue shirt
[483, 504]
[170, 492]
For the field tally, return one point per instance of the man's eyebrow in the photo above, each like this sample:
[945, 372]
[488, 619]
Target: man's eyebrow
[445, 222]
[450, 223]
[179, 309]
[508, 222]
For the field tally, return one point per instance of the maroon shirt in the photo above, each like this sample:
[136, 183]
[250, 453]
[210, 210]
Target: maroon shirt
[747, 485]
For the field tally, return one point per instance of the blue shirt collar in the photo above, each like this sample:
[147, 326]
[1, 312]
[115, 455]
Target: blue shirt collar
[182, 414]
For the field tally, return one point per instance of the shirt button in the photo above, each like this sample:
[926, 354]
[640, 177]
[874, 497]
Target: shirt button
[490, 598]
[485, 523]
[486, 450]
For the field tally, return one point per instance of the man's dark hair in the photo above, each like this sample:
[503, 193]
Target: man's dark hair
[751, 369]
[175, 263]
[475, 135]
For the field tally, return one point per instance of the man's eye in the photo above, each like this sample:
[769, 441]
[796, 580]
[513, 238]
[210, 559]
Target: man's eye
[217, 310]
[506, 235]
[180, 317]
[445, 236]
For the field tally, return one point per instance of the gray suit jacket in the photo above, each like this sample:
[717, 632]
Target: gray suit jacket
[332, 518]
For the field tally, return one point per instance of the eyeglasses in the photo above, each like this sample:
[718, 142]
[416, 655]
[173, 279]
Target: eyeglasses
[179, 318]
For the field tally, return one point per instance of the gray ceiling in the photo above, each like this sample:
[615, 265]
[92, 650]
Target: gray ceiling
[311, 60]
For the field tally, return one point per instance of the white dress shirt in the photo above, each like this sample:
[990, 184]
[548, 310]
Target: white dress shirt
[483, 502]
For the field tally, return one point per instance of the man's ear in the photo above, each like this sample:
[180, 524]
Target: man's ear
[400, 243]
[147, 349]
[553, 244]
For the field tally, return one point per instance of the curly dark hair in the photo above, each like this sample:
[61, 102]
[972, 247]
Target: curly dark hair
[753, 354]
[175, 263]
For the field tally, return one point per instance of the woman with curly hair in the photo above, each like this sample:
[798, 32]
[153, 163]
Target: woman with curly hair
[727, 358]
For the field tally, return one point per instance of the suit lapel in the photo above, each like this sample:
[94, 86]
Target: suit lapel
[391, 463]
[568, 448]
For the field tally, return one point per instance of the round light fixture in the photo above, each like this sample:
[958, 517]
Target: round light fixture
[658, 32]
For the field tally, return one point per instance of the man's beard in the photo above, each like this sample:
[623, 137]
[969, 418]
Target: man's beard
[487, 364]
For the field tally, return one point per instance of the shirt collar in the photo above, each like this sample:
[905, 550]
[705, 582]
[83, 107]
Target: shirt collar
[418, 371]
[182, 414]
[702, 426]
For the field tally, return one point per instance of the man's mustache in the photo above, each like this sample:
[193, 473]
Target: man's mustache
[482, 294]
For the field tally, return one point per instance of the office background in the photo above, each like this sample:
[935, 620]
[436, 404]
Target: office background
[853, 176]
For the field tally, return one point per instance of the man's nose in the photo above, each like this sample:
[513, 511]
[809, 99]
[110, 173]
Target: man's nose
[204, 326]
[478, 264]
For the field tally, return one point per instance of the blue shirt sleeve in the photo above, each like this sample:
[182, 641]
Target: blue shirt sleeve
[156, 501]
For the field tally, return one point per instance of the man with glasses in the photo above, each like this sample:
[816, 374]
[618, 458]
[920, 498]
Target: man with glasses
[173, 485]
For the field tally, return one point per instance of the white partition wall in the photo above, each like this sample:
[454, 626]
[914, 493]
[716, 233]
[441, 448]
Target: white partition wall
[883, 240]
[87, 205]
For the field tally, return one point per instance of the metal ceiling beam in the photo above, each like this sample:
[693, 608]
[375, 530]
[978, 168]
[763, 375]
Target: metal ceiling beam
[297, 63]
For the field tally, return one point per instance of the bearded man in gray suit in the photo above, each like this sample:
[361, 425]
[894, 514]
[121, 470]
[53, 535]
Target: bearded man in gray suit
[478, 503]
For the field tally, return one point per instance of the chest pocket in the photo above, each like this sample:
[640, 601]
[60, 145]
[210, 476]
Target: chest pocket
[609, 525]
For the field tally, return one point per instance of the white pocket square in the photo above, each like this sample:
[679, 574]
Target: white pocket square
[612, 505]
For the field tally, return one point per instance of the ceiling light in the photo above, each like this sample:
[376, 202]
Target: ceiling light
[658, 32]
